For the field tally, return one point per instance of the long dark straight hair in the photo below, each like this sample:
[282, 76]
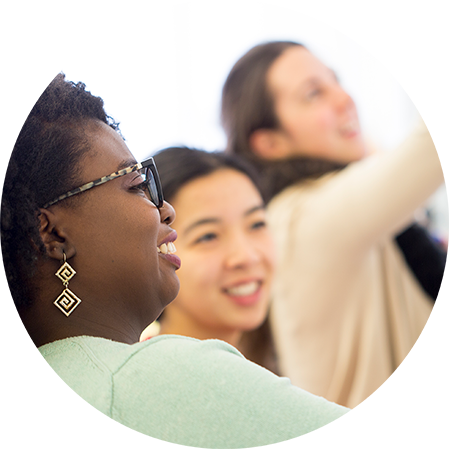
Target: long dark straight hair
[177, 166]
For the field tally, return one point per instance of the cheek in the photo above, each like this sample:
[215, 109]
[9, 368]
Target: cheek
[199, 274]
[272, 259]
[197, 292]
[309, 126]
[268, 251]
[270, 263]
[128, 237]
[319, 122]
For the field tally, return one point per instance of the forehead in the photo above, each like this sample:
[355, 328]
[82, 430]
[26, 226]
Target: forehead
[225, 193]
[294, 67]
[107, 153]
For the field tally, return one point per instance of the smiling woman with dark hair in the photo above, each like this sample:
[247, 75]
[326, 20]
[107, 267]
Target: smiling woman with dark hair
[227, 252]
[76, 204]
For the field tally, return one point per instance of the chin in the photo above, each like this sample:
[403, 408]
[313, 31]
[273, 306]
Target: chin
[253, 323]
[349, 157]
[171, 292]
[358, 151]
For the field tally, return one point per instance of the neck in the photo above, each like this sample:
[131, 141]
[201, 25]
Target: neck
[45, 323]
[177, 324]
[46, 326]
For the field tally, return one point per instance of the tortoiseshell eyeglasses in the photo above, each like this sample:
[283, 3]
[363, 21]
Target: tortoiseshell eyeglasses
[148, 171]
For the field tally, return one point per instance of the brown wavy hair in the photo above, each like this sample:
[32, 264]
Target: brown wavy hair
[247, 105]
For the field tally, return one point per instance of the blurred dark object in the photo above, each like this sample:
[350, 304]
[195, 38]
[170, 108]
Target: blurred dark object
[18, 94]
[425, 257]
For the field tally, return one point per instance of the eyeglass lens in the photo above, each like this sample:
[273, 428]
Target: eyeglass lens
[152, 187]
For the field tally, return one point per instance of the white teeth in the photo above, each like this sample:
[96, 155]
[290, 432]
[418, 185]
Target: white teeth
[244, 289]
[166, 248]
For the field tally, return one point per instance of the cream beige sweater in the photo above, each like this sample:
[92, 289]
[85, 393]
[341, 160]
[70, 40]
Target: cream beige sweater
[346, 308]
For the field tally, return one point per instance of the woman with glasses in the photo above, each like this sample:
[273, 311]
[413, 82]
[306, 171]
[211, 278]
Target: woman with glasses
[226, 249]
[88, 250]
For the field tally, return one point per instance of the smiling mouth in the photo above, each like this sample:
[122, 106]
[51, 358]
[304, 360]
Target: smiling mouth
[166, 248]
[245, 295]
[244, 289]
[350, 128]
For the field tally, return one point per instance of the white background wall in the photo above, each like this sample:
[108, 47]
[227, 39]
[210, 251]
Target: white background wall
[160, 65]
[30, 35]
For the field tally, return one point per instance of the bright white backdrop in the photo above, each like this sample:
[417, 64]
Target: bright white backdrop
[160, 69]
[160, 65]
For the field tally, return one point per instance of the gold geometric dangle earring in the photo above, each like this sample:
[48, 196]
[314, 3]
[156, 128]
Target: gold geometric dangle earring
[67, 301]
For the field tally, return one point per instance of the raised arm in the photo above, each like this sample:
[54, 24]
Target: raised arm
[375, 197]
[329, 313]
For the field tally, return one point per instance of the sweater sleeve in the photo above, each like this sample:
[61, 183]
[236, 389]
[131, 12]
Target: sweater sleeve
[204, 393]
[334, 293]
[375, 197]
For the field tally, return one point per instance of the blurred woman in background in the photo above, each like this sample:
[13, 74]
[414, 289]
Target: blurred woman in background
[357, 278]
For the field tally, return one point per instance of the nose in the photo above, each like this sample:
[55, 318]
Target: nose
[167, 213]
[343, 100]
[241, 253]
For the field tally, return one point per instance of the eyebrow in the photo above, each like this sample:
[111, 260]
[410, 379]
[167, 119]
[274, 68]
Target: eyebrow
[126, 163]
[213, 220]
[315, 80]
[255, 209]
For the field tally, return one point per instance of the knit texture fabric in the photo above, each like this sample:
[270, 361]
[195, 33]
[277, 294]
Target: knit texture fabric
[186, 391]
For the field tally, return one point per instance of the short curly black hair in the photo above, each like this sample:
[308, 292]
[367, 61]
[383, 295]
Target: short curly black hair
[43, 165]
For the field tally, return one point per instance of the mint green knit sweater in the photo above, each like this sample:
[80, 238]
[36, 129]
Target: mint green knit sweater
[186, 391]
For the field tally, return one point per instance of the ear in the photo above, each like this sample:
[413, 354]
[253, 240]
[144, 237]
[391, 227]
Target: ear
[53, 236]
[270, 144]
